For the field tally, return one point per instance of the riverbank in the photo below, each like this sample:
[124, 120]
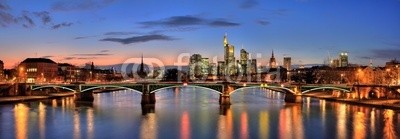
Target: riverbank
[377, 103]
[14, 99]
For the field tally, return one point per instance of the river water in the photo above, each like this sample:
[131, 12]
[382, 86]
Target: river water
[184, 113]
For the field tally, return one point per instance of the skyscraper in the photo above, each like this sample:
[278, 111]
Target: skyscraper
[343, 59]
[195, 66]
[272, 61]
[229, 57]
[244, 57]
[287, 63]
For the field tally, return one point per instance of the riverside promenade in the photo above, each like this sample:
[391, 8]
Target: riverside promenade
[378, 103]
[15, 99]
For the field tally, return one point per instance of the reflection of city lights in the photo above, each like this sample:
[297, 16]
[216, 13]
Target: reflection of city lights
[21, 120]
[388, 129]
[90, 123]
[185, 126]
[77, 125]
[359, 123]
[244, 127]
[264, 125]
[42, 120]
[341, 122]
[148, 128]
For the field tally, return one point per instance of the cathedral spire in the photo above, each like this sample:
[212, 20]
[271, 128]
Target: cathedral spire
[272, 53]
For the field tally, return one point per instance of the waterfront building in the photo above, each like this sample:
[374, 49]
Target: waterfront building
[2, 71]
[343, 59]
[33, 70]
[67, 72]
[287, 63]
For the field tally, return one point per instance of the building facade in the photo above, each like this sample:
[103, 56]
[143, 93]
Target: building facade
[343, 59]
[287, 63]
[2, 76]
[244, 58]
[198, 67]
[36, 70]
[229, 57]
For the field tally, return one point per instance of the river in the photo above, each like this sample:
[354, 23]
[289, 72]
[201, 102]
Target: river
[184, 113]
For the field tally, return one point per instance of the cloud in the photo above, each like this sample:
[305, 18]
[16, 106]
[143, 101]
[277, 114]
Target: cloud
[104, 51]
[247, 4]
[4, 6]
[97, 54]
[397, 44]
[5, 17]
[188, 20]
[385, 53]
[223, 23]
[64, 24]
[80, 5]
[84, 37]
[48, 56]
[27, 21]
[79, 58]
[263, 22]
[120, 33]
[138, 39]
[44, 16]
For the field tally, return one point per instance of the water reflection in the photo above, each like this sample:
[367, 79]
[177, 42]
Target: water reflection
[185, 126]
[225, 125]
[244, 126]
[263, 122]
[148, 127]
[42, 120]
[183, 113]
[359, 125]
[21, 120]
[389, 129]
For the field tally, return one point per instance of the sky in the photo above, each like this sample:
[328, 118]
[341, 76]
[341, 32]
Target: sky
[112, 31]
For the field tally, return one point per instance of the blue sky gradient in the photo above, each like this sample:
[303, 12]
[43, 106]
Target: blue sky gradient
[111, 31]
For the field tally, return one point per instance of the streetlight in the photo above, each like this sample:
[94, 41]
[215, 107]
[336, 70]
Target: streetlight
[341, 78]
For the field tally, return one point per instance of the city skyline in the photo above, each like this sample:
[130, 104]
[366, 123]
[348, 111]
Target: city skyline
[110, 31]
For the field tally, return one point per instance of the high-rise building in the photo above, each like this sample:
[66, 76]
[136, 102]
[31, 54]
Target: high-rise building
[33, 70]
[244, 58]
[272, 61]
[287, 63]
[253, 66]
[343, 59]
[205, 64]
[1, 70]
[220, 68]
[195, 66]
[229, 57]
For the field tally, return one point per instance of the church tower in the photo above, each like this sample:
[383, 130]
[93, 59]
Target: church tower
[272, 61]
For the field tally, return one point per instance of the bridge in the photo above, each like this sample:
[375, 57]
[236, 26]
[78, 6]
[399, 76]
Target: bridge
[293, 92]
